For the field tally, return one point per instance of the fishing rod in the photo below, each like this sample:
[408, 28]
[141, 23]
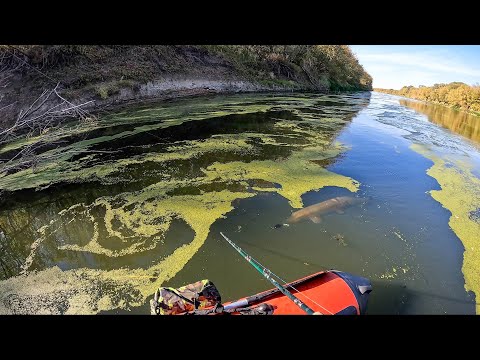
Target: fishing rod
[266, 273]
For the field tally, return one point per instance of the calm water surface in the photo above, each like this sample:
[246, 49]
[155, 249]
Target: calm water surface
[139, 198]
[457, 121]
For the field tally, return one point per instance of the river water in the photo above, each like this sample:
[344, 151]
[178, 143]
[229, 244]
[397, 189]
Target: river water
[118, 206]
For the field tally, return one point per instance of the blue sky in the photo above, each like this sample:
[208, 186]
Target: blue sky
[394, 66]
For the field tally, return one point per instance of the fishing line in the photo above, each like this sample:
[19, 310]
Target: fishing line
[268, 272]
[291, 286]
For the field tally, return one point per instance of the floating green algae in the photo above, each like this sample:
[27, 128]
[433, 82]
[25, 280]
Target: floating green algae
[150, 212]
[141, 121]
[65, 170]
[295, 175]
[460, 194]
[196, 181]
[79, 288]
[18, 144]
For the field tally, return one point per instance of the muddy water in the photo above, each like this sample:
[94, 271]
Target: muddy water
[117, 207]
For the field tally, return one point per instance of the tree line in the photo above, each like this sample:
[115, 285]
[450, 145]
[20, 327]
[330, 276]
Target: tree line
[327, 67]
[456, 94]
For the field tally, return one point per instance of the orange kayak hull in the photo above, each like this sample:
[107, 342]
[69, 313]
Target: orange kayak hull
[326, 292]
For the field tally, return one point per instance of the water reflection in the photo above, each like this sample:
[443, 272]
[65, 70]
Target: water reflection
[457, 121]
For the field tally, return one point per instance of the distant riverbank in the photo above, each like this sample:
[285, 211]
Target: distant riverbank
[456, 95]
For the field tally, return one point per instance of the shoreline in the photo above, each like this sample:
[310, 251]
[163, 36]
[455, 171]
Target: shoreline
[150, 92]
[171, 89]
[63, 80]
[448, 106]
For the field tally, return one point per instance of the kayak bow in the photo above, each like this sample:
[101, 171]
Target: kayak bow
[267, 274]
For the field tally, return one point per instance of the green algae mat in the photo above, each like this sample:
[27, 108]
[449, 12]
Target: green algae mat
[88, 224]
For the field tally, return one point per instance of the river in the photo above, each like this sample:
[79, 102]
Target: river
[136, 199]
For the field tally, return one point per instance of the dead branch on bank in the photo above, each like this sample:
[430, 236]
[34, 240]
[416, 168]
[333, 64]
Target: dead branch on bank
[43, 118]
[37, 119]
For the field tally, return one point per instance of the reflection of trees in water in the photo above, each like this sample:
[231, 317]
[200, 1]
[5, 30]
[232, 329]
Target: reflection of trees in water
[457, 121]
[25, 212]
[16, 237]
[20, 227]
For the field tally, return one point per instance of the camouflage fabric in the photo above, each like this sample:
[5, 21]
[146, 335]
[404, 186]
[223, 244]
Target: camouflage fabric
[171, 301]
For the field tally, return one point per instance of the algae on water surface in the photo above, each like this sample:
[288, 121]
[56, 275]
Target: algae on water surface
[459, 194]
[87, 253]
